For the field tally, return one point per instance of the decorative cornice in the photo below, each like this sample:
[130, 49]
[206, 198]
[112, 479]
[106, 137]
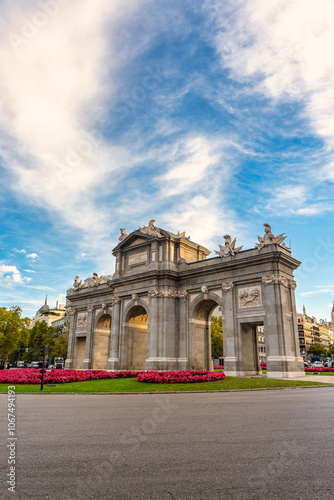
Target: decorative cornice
[90, 309]
[167, 293]
[278, 279]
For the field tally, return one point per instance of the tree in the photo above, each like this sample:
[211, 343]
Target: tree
[317, 350]
[14, 330]
[40, 334]
[330, 351]
[59, 349]
[217, 348]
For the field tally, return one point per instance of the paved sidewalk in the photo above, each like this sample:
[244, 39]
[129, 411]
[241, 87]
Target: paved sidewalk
[325, 379]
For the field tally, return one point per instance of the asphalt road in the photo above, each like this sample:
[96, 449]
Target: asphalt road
[246, 445]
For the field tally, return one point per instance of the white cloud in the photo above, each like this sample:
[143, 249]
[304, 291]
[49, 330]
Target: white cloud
[297, 199]
[32, 256]
[325, 289]
[284, 48]
[29, 271]
[19, 251]
[192, 159]
[41, 287]
[10, 275]
[53, 89]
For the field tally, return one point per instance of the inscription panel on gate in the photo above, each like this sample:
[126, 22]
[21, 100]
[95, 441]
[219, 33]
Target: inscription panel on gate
[138, 258]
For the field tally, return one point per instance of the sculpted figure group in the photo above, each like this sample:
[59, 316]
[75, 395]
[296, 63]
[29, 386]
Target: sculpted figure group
[268, 239]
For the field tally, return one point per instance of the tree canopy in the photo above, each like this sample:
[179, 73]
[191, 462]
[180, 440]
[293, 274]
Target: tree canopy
[16, 337]
[317, 350]
[14, 332]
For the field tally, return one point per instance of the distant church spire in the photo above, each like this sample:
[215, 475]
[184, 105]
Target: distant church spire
[304, 310]
[46, 300]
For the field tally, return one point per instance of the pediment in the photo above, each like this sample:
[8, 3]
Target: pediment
[137, 241]
[134, 239]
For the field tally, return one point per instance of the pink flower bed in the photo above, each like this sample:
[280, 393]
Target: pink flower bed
[181, 377]
[34, 376]
[218, 367]
[319, 369]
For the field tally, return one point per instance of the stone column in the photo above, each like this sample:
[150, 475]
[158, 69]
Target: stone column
[153, 327]
[87, 362]
[71, 340]
[283, 357]
[113, 360]
[183, 359]
[229, 338]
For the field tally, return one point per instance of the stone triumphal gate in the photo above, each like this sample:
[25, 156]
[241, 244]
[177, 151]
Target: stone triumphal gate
[154, 312]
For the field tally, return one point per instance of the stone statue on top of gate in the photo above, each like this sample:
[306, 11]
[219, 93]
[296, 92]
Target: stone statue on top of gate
[150, 230]
[269, 238]
[229, 248]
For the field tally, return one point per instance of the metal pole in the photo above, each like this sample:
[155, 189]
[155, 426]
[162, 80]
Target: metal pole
[43, 354]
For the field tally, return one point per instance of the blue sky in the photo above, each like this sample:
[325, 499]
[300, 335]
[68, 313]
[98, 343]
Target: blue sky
[211, 117]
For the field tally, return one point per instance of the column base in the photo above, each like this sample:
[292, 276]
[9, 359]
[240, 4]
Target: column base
[285, 374]
[113, 364]
[241, 373]
[166, 364]
[285, 367]
[86, 364]
[68, 363]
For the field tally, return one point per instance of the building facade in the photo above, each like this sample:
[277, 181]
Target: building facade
[311, 332]
[48, 314]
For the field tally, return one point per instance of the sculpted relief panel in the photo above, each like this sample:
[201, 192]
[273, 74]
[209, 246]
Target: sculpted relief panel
[82, 320]
[250, 297]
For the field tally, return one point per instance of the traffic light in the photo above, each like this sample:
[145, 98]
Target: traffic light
[42, 351]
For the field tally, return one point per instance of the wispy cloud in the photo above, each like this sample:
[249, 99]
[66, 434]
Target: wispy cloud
[53, 89]
[321, 290]
[19, 251]
[287, 47]
[281, 52]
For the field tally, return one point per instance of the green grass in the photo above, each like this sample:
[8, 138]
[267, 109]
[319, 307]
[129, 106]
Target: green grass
[131, 385]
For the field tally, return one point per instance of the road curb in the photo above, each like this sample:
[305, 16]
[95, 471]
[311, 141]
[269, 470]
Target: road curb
[170, 392]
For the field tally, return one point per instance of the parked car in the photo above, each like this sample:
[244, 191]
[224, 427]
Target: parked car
[317, 364]
[50, 367]
[20, 364]
[306, 364]
[34, 364]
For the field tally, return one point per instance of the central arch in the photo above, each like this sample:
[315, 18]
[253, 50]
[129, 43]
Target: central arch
[201, 334]
[134, 345]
